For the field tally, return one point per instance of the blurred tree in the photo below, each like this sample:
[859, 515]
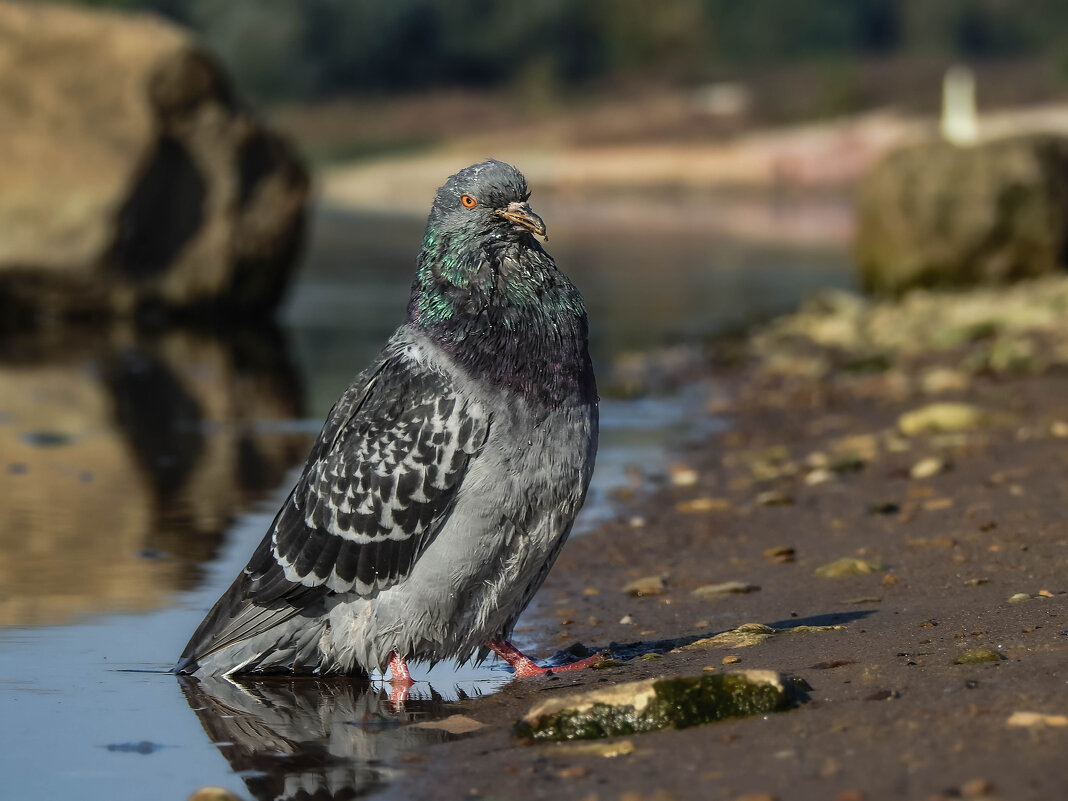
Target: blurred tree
[283, 48]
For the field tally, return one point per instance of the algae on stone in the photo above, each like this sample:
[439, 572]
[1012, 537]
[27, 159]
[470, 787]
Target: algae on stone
[976, 656]
[661, 703]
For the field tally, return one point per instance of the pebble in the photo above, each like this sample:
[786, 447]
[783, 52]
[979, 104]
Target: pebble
[731, 660]
[1019, 597]
[698, 505]
[976, 788]
[925, 468]
[724, 588]
[821, 475]
[453, 724]
[774, 498]
[781, 554]
[682, 475]
[942, 417]
[646, 585]
[626, 620]
[607, 750]
[848, 566]
[1036, 720]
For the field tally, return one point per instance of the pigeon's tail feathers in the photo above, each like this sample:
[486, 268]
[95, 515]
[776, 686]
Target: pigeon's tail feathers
[381, 481]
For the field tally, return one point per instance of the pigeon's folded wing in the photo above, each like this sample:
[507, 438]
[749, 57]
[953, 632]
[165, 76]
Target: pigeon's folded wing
[379, 483]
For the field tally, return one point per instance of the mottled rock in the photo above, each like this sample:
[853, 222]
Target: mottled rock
[661, 703]
[933, 214]
[133, 178]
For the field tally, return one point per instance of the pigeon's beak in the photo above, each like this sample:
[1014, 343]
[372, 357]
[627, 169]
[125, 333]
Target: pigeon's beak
[521, 215]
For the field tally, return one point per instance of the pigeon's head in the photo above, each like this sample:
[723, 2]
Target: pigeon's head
[485, 200]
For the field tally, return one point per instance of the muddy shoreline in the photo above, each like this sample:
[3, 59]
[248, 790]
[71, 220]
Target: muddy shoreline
[816, 468]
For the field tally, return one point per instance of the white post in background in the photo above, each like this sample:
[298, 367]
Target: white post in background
[960, 123]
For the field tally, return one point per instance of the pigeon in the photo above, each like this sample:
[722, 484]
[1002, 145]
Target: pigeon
[447, 476]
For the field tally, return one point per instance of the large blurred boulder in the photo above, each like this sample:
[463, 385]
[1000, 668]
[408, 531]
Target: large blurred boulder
[130, 175]
[934, 214]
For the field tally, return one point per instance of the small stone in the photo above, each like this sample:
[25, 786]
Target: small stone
[821, 475]
[1037, 720]
[724, 588]
[943, 417]
[682, 475]
[453, 724]
[1019, 597]
[626, 620]
[977, 788]
[781, 554]
[942, 379]
[977, 656]
[647, 585]
[890, 579]
[606, 750]
[848, 566]
[731, 660]
[637, 521]
[572, 772]
[1045, 593]
[884, 508]
[832, 663]
[925, 468]
[698, 505]
[774, 498]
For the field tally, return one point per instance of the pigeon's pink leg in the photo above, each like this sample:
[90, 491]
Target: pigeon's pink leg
[401, 680]
[524, 666]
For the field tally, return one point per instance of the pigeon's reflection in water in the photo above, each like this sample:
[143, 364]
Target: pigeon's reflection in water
[309, 738]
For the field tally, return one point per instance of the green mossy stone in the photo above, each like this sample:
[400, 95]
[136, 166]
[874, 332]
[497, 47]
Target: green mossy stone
[674, 703]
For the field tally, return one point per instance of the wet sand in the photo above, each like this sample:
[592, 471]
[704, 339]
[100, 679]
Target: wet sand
[814, 469]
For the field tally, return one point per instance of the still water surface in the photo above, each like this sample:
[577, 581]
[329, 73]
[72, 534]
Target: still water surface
[138, 472]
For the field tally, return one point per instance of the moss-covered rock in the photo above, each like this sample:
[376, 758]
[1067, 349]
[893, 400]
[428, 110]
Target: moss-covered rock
[664, 703]
[933, 214]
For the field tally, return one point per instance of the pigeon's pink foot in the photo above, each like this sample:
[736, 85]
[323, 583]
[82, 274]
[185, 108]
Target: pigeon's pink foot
[401, 680]
[524, 666]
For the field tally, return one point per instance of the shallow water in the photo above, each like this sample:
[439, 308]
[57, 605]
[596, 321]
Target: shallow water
[138, 472]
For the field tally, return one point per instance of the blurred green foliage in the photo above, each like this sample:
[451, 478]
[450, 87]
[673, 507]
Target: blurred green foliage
[280, 49]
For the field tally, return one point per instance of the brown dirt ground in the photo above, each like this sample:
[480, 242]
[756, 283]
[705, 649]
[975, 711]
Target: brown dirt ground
[895, 718]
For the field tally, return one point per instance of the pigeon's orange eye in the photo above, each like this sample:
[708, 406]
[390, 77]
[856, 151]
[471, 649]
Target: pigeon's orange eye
[468, 201]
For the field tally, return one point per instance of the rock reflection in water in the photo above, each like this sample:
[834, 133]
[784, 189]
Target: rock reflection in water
[312, 738]
[123, 458]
